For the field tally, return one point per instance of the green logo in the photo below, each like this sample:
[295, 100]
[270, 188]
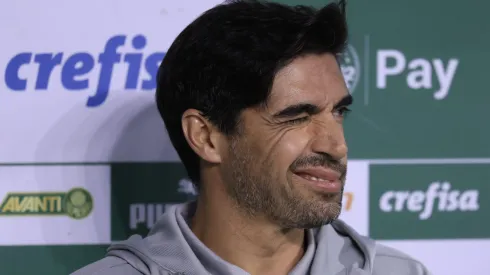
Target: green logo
[433, 201]
[350, 67]
[79, 203]
[76, 203]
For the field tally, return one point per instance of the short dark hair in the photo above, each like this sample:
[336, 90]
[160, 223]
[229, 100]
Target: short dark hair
[226, 60]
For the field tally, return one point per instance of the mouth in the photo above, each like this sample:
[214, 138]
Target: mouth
[320, 178]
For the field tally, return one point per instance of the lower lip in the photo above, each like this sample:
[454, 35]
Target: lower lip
[325, 186]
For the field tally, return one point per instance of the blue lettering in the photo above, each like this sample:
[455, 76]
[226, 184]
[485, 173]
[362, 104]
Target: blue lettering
[151, 64]
[12, 79]
[76, 68]
[76, 65]
[134, 61]
[47, 62]
[107, 59]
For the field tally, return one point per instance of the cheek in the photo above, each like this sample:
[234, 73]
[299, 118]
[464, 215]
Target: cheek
[291, 146]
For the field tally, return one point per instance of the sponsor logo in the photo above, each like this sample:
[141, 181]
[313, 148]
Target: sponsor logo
[437, 201]
[85, 71]
[76, 203]
[432, 74]
[439, 197]
[148, 213]
[418, 72]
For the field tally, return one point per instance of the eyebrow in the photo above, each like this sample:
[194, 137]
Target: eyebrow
[307, 108]
[345, 101]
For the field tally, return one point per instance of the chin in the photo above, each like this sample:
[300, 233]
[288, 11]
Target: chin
[312, 214]
[326, 211]
[332, 211]
[312, 224]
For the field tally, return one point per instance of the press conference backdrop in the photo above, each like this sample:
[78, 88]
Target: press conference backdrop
[85, 159]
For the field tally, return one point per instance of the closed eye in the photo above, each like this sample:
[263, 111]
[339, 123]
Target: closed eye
[297, 120]
[341, 112]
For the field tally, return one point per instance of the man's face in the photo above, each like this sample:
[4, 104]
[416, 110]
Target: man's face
[288, 161]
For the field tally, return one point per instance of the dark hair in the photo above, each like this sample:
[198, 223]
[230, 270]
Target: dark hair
[226, 60]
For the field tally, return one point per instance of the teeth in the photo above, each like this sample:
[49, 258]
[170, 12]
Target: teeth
[313, 178]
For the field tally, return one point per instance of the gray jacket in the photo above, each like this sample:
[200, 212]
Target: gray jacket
[171, 249]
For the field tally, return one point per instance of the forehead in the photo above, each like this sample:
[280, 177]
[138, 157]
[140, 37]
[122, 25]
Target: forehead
[312, 78]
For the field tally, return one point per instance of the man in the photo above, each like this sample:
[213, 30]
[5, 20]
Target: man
[254, 102]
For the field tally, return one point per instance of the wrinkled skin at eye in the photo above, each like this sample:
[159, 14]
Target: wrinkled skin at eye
[259, 168]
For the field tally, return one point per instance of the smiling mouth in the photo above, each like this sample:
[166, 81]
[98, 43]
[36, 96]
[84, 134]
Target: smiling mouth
[320, 178]
[312, 178]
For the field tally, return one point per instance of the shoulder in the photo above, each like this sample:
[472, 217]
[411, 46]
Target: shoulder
[108, 266]
[382, 259]
[388, 260]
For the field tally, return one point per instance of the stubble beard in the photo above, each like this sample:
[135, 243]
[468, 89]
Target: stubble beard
[257, 192]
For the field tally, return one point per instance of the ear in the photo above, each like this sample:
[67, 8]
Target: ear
[201, 136]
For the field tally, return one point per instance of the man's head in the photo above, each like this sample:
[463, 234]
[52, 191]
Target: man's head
[253, 92]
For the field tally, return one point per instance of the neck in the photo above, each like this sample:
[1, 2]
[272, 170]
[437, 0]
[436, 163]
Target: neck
[255, 245]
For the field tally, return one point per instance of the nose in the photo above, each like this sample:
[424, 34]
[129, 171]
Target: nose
[329, 139]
